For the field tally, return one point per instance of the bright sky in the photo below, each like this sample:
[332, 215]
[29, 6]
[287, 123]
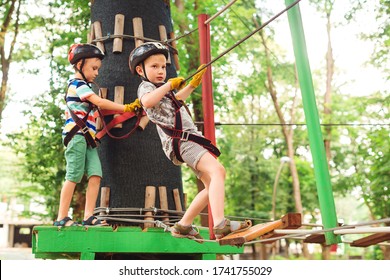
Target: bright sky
[350, 54]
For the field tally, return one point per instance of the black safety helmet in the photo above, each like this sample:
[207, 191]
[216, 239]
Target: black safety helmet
[142, 52]
[82, 51]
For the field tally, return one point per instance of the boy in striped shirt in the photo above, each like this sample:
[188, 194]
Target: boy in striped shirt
[79, 132]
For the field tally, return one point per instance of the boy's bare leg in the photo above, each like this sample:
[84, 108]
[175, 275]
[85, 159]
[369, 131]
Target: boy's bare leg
[65, 199]
[91, 196]
[197, 205]
[215, 172]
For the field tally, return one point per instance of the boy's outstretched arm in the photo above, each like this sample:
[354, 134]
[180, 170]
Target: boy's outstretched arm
[152, 98]
[192, 85]
[106, 104]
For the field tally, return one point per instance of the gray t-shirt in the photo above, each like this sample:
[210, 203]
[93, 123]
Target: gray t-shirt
[164, 114]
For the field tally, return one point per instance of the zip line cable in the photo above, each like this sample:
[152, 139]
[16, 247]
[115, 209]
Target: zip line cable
[167, 42]
[298, 235]
[220, 12]
[244, 39]
[296, 124]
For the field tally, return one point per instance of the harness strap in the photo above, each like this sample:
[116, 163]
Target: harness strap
[80, 125]
[179, 135]
[117, 120]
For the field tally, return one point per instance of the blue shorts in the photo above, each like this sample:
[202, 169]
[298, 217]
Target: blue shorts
[81, 159]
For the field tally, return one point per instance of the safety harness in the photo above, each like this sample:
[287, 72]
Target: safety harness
[179, 135]
[81, 124]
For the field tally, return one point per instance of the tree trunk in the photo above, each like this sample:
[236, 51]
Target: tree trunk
[4, 59]
[328, 92]
[288, 134]
[131, 164]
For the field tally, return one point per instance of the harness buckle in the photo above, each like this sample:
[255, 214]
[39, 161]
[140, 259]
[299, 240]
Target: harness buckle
[185, 135]
[85, 130]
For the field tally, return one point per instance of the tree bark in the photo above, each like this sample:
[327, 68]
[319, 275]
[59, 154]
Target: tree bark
[6, 61]
[328, 92]
[288, 134]
[131, 164]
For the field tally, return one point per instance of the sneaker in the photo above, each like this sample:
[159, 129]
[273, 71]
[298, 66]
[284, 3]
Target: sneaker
[190, 232]
[226, 228]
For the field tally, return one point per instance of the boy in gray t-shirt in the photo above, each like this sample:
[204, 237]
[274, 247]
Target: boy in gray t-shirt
[181, 141]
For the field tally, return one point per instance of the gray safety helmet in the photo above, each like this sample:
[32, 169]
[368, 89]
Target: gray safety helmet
[142, 52]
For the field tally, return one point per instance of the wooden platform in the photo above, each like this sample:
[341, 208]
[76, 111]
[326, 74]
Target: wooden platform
[124, 242]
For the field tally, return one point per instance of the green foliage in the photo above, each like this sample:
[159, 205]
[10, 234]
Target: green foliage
[40, 143]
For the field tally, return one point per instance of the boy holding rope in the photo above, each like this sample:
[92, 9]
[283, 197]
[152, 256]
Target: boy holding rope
[181, 140]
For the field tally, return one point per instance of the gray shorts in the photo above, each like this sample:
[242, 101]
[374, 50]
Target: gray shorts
[191, 153]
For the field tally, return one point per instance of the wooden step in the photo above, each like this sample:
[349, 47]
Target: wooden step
[288, 221]
[371, 239]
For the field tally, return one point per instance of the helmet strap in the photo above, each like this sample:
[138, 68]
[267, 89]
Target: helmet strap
[144, 70]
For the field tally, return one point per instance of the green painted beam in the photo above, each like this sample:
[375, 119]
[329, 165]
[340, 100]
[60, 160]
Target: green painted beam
[321, 171]
[69, 242]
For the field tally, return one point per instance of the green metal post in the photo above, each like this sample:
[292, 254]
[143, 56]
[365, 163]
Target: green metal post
[321, 171]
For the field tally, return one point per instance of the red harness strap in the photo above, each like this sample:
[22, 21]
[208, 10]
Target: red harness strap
[179, 135]
[117, 120]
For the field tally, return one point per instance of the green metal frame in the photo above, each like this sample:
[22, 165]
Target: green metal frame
[321, 171]
[50, 242]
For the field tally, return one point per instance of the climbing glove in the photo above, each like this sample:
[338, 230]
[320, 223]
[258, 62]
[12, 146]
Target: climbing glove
[177, 83]
[197, 79]
[132, 106]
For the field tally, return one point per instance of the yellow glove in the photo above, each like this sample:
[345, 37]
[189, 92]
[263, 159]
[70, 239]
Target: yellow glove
[177, 83]
[197, 79]
[132, 106]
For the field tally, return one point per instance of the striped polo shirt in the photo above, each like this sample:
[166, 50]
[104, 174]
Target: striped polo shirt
[76, 99]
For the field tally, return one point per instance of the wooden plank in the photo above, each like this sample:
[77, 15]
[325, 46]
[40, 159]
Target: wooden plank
[103, 94]
[150, 202]
[97, 26]
[162, 191]
[119, 96]
[104, 198]
[240, 238]
[315, 238]
[138, 31]
[290, 220]
[175, 56]
[164, 38]
[91, 35]
[371, 239]
[118, 30]
[176, 198]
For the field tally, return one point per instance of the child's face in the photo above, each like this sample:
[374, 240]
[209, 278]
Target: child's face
[155, 67]
[91, 68]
